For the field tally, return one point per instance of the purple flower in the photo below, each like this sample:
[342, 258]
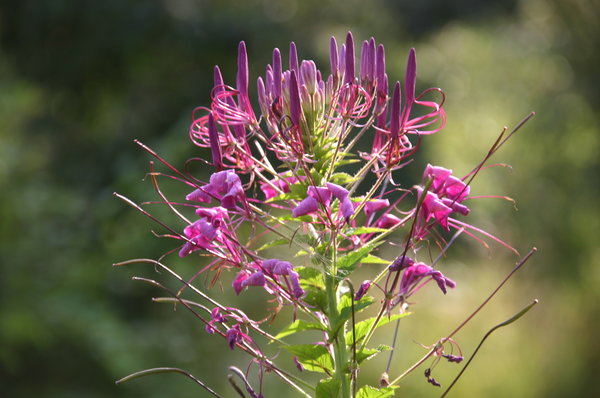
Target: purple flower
[282, 183]
[285, 269]
[237, 283]
[276, 267]
[306, 206]
[362, 290]
[200, 235]
[215, 145]
[388, 221]
[295, 104]
[416, 273]
[401, 262]
[444, 197]
[224, 185]
[255, 279]
[375, 205]
[297, 291]
[433, 207]
[310, 204]
[349, 64]
[299, 366]
[212, 213]
[234, 335]
[453, 358]
[430, 379]
[323, 196]
[445, 184]
[342, 195]
[216, 318]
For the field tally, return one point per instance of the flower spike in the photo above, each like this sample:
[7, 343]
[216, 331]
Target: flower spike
[349, 64]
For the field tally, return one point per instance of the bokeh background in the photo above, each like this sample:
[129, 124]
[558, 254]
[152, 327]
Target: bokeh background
[79, 80]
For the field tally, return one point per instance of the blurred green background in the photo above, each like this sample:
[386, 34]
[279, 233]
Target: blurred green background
[79, 80]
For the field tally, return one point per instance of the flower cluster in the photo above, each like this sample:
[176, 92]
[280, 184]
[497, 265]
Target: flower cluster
[292, 174]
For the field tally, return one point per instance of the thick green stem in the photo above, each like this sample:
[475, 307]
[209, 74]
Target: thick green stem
[340, 354]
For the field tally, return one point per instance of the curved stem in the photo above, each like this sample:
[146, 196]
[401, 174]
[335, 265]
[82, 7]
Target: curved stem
[492, 330]
[167, 370]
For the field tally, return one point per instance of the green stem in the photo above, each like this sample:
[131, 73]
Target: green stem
[340, 356]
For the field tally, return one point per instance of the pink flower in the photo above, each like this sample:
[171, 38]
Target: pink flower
[200, 235]
[388, 221]
[224, 185]
[342, 194]
[362, 290]
[216, 318]
[283, 183]
[322, 195]
[433, 207]
[285, 269]
[310, 204]
[375, 205]
[414, 274]
[445, 184]
[234, 336]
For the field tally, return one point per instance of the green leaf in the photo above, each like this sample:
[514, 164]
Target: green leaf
[316, 297]
[345, 305]
[346, 161]
[371, 259]
[362, 327]
[299, 325]
[273, 243]
[286, 196]
[290, 217]
[310, 276]
[342, 178]
[372, 392]
[314, 358]
[348, 262]
[364, 230]
[328, 388]
[345, 309]
[311, 280]
[368, 353]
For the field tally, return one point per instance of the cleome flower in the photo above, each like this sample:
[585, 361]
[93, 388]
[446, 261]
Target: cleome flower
[288, 177]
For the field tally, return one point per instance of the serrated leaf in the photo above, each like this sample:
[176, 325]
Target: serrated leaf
[328, 388]
[273, 243]
[299, 325]
[348, 262]
[362, 327]
[372, 392]
[345, 309]
[368, 353]
[364, 230]
[314, 358]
